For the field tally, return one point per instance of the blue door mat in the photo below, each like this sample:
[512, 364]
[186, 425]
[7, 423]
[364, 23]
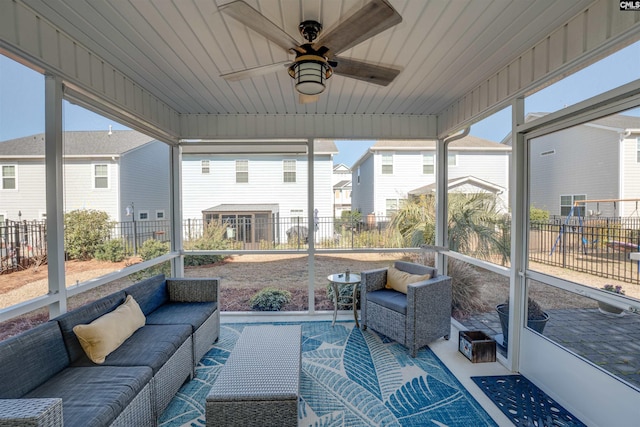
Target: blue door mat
[524, 403]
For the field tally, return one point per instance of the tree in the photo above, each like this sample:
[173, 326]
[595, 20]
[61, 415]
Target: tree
[474, 223]
[85, 230]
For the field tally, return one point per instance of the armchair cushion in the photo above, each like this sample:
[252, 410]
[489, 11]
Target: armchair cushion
[398, 280]
[388, 298]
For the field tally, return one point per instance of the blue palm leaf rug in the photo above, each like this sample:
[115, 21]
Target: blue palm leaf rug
[350, 378]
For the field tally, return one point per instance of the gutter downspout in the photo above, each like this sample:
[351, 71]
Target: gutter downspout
[442, 198]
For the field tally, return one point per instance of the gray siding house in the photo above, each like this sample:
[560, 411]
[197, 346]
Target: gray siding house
[112, 171]
[561, 175]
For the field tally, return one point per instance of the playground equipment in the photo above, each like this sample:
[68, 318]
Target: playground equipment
[623, 246]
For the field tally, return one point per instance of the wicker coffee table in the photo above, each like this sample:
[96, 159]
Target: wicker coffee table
[259, 383]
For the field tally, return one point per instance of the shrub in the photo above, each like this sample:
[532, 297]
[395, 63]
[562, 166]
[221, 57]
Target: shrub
[111, 250]
[466, 285]
[151, 249]
[538, 215]
[213, 238]
[270, 299]
[84, 231]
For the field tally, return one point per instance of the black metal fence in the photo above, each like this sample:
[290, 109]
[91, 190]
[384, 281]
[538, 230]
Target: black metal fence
[22, 244]
[595, 246]
[600, 247]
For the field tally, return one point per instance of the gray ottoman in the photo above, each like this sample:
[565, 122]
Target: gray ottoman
[259, 383]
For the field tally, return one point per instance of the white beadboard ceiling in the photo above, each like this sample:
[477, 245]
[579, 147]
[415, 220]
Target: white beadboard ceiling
[177, 50]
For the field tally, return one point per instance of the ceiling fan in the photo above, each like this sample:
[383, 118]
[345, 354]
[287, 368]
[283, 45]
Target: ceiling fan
[316, 60]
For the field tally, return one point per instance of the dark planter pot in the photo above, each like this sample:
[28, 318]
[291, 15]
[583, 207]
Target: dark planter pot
[503, 313]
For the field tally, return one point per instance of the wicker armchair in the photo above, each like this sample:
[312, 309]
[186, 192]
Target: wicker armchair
[414, 319]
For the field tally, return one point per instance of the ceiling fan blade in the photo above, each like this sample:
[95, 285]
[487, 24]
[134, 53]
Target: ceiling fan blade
[364, 71]
[255, 71]
[307, 99]
[373, 18]
[242, 12]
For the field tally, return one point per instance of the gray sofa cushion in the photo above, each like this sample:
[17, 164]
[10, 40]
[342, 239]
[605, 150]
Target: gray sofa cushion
[186, 313]
[149, 346]
[150, 293]
[30, 359]
[388, 298]
[85, 314]
[94, 396]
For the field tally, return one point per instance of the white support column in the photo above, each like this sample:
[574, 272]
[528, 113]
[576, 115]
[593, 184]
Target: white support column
[312, 229]
[175, 201]
[54, 193]
[518, 194]
[442, 197]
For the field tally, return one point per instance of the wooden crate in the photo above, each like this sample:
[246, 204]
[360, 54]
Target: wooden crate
[477, 346]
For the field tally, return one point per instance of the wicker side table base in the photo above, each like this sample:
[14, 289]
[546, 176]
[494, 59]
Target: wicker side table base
[259, 384]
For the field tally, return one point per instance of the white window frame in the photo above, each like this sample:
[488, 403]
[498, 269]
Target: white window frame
[452, 159]
[161, 214]
[94, 176]
[429, 161]
[141, 213]
[240, 172]
[289, 169]
[15, 176]
[574, 197]
[386, 164]
[205, 167]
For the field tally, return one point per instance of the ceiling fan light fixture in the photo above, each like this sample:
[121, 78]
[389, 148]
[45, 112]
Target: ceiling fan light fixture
[310, 73]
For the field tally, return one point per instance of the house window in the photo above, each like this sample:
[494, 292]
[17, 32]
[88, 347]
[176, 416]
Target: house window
[2, 218]
[9, 177]
[387, 164]
[242, 171]
[159, 214]
[289, 170]
[100, 176]
[567, 201]
[391, 207]
[296, 213]
[358, 178]
[428, 164]
[452, 159]
[205, 167]
[143, 215]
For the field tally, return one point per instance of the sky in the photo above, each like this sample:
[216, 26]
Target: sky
[22, 102]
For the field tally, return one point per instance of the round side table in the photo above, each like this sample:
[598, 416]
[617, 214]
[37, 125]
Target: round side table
[341, 279]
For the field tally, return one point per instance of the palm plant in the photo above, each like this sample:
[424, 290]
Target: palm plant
[473, 223]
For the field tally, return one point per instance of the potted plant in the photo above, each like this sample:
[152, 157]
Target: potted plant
[608, 308]
[536, 318]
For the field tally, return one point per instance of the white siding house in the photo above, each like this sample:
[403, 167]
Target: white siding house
[341, 181]
[560, 174]
[390, 171]
[105, 171]
[250, 189]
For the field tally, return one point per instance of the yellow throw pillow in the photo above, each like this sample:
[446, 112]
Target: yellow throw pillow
[399, 280]
[105, 334]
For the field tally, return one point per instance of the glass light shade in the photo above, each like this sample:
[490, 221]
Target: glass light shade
[310, 77]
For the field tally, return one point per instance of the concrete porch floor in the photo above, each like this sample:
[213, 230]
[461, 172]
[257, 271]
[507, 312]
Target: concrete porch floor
[611, 342]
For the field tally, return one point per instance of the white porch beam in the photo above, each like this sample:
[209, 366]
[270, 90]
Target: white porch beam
[519, 203]
[54, 194]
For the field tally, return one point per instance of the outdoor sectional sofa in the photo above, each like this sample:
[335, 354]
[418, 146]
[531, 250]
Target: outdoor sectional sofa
[49, 380]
